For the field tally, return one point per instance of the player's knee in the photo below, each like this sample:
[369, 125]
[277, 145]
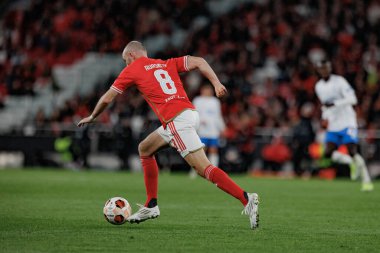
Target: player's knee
[143, 149]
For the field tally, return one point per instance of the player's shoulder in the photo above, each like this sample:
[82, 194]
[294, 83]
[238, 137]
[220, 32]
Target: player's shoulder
[318, 84]
[341, 80]
[336, 77]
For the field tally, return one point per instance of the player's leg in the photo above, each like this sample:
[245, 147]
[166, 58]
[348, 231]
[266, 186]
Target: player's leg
[199, 161]
[339, 157]
[351, 140]
[193, 173]
[361, 166]
[147, 148]
[333, 141]
[335, 155]
[187, 142]
[212, 152]
[355, 166]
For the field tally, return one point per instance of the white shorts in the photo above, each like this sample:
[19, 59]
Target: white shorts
[181, 133]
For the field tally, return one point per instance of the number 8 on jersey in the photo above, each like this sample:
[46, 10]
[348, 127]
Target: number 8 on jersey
[165, 81]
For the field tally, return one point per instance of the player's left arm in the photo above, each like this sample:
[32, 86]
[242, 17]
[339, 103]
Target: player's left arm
[102, 104]
[349, 97]
[194, 62]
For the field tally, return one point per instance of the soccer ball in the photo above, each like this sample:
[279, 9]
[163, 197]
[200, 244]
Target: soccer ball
[117, 210]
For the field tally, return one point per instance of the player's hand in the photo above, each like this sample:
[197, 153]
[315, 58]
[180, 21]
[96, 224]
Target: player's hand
[85, 121]
[220, 90]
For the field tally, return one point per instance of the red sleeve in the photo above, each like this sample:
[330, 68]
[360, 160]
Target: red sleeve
[181, 63]
[123, 81]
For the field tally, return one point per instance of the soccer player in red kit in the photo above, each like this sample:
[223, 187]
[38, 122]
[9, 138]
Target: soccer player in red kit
[159, 83]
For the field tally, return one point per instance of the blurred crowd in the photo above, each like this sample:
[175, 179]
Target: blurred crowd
[263, 51]
[60, 32]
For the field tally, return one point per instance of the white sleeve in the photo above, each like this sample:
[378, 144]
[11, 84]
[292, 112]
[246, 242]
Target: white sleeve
[319, 95]
[348, 93]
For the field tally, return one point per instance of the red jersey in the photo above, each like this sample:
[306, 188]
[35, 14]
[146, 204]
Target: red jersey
[159, 83]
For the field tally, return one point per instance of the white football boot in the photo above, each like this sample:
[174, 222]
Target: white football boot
[252, 210]
[143, 214]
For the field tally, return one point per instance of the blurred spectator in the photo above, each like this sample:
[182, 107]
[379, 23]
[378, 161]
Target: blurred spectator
[303, 136]
[60, 32]
[125, 143]
[240, 140]
[275, 155]
[81, 147]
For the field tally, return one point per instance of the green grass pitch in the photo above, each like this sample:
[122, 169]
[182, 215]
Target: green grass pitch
[61, 211]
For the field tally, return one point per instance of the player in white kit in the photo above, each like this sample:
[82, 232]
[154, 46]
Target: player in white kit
[211, 121]
[338, 98]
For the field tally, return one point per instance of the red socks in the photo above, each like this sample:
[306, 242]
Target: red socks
[150, 168]
[212, 173]
[224, 182]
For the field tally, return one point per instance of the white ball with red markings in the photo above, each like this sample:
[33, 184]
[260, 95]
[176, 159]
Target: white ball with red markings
[117, 210]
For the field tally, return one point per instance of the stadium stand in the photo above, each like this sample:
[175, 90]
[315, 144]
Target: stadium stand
[54, 68]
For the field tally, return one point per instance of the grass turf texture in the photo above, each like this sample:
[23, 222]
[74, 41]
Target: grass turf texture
[61, 211]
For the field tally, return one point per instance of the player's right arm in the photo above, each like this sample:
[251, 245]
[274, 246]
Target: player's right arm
[194, 62]
[102, 104]
[123, 81]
